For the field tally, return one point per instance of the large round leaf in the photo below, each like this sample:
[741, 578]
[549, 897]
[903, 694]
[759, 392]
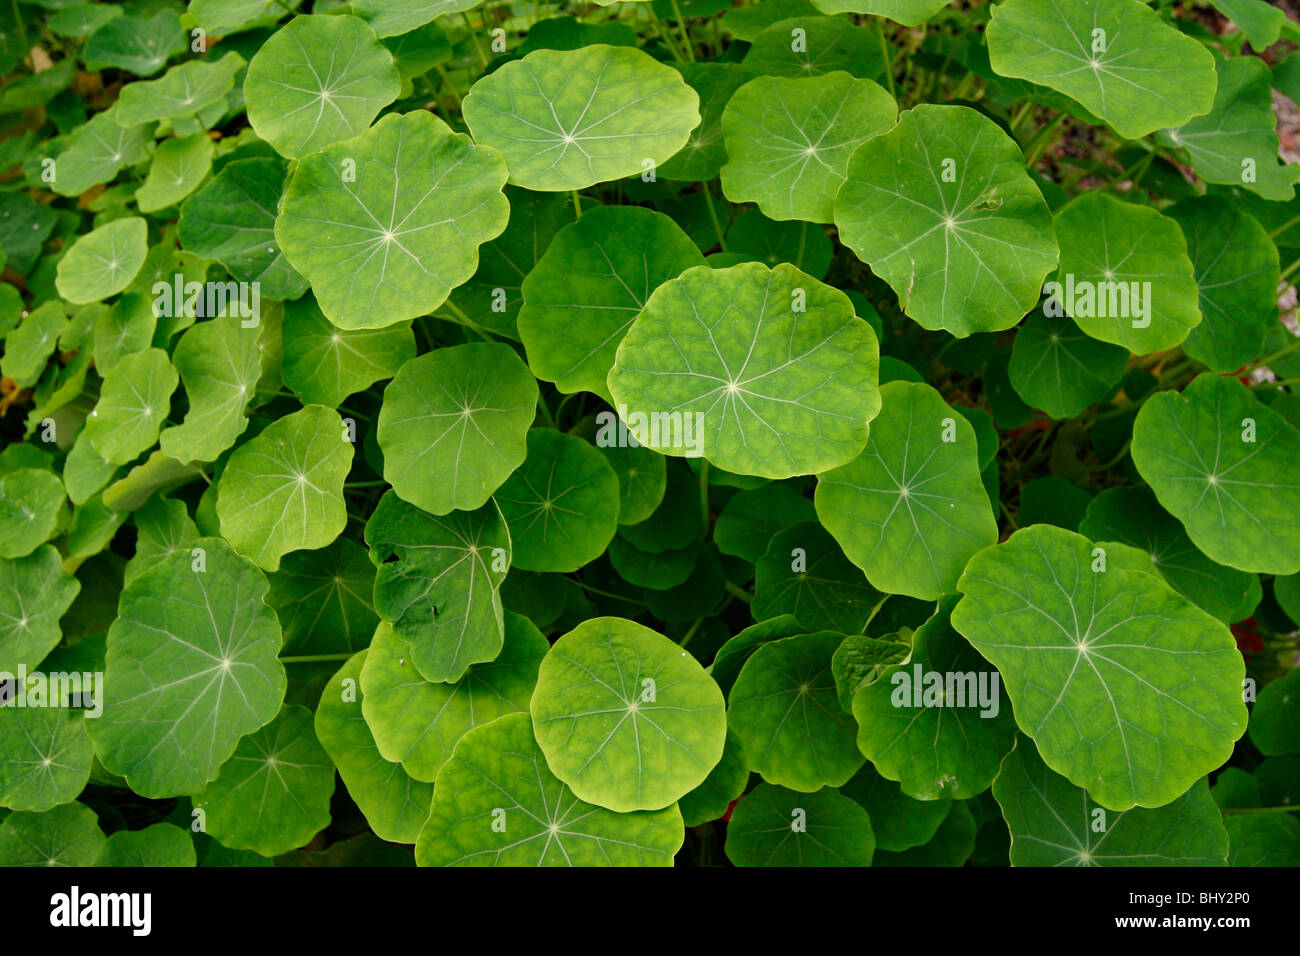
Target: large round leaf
[103, 261]
[68, 835]
[804, 573]
[497, 804]
[725, 783]
[45, 755]
[324, 599]
[317, 80]
[35, 591]
[772, 826]
[1056, 367]
[705, 153]
[397, 17]
[910, 822]
[642, 480]
[910, 510]
[283, 490]
[133, 403]
[274, 794]
[626, 718]
[910, 13]
[1127, 689]
[784, 708]
[437, 582]
[394, 803]
[750, 519]
[567, 119]
[1125, 277]
[31, 507]
[453, 425]
[385, 225]
[417, 723]
[1223, 464]
[325, 364]
[815, 45]
[191, 669]
[561, 504]
[1054, 823]
[942, 209]
[937, 724]
[220, 362]
[162, 844]
[770, 372]
[184, 90]
[788, 141]
[1115, 57]
[592, 282]
[1275, 719]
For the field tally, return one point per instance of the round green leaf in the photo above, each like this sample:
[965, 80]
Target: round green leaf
[1126, 688]
[163, 527]
[385, 225]
[1115, 57]
[454, 425]
[394, 803]
[627, 719]
[561, 504]
[103, 261]
[1236, 269]
[642, 478]
[35, 592]
[283, 490]
[705, 153]
[230, 16]
[417, 723]
[133, 403]
[910, 510]
[220, 362]
[675, 521]
[750, 519]
[910, 822]
[784, 708]
[191, 669]
[68, 835]
[725, 783]
[936, 724]
[318, 80]
[45, 755]
[813, 45]
[567, 119]
[31, 505]
[179, 166]
[770, 372]
[910, 13]
[952, 844]
[325, 364]
[772, 826]
[163, 844]
[184, 90]
[1222, 463]
[1134, 517]
[1054, 823]
[274, 794]
[860, 660]
[1275, 719]
[437, 583]
[324, 599]
[28, 348]
[942, 209]
[497, 804]
[1263, 839]
[1125, 277]
[592, 282]
[394, 17]
[657, 572]
[1056, 367]
[136, 44]
[788, 141]
[805, 573]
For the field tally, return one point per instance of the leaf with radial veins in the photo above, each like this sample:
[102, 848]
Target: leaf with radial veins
[567, 119]
[910, 822]
[726, 782]
[1236, 142]
[772, 826]
[324, 599]
[220, 362]
[325, 364]
[229, 16]
[750, 519]
[1275, 719]
[911, 509]
[1054, 823]
[941, 743]
[1116, 57]
[1134, 517]
[1055, 366]
[592, 282]
[705, 153]
[910, 13]
[418, 722]
[318, 80]
[182, 91]
[103, 262]
[35, 591]
[179, 166]
[1236, 268]
[395, 17]
[785, 710]
[625, 717]
[788, 140]
[454, 425]
[31, 508]
[283, 490]
[191, 669]
[642, 480]
[159, 845]
[561, 504]
[45, 755]
[392, 242]
[804, 573]
[136, 44]
[393, 802]
[98, 150]
[775, 367]
[498, 774]
[828, 44]
[133, 403]
[942, 209]
[1223, 463]
[232, 219]
[1126, 687]
[1125, 277]
[67, 835]
[274, 794]
[437, 582]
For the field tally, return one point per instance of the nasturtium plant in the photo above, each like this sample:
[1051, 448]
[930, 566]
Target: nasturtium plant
[697, 432]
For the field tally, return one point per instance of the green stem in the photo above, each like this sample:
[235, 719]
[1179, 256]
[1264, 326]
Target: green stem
[664, 33]
[803, 241]
[315, 658]
[478, 45]
[884, 52]
[686, 638]
[1286, 274]
[713, 214]
[22, 28]
[355, 414]
[1135, 172]
[1284, 227]
[1038, 145]
[466, 321]
[446, 78]
[577, 206]
[739, 593]
[1019, 116]
[1227, 810]
[704, 499]
[681, 26]
[609, 594]
[1266, 360]
[1282, 384]
[365, 484]
[546, 411]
